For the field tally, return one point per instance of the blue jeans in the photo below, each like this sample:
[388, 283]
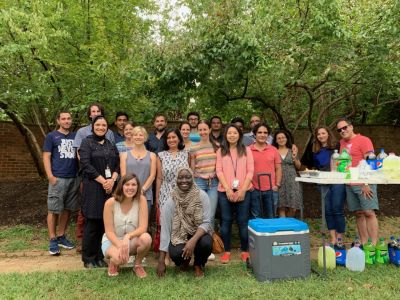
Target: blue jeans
[268, 201]
[335, 196]
[212, 193]
[242, 218]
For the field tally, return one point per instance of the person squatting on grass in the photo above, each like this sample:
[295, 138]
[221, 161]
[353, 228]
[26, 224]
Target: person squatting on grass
[125, 221]
[61, 167]
[203, 159]
[185, 226]
[234, 169]
[100, 169]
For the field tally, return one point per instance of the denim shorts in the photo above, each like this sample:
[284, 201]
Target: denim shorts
[104, 246]
[63, 195]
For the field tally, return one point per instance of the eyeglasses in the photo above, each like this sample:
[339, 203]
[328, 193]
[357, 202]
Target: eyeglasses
[343, 128]
[193, 119]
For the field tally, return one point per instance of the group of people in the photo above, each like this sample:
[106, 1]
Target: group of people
[185, 173]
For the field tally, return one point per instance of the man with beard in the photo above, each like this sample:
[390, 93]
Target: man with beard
[155, 142]
[216, 130]
[61, 165]
[193, 119]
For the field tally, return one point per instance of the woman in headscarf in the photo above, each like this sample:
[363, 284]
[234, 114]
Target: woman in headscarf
[186, 226]
[100, 169]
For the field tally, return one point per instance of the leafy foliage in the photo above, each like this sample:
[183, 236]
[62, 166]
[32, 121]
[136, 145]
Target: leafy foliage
[298, 62]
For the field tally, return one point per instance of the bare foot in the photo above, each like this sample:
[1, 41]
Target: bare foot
[198, 272]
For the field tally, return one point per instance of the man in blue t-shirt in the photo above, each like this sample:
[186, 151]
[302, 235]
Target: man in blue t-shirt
[61, 167]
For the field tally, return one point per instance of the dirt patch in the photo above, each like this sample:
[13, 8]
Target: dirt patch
[26, 202]
[41, 261]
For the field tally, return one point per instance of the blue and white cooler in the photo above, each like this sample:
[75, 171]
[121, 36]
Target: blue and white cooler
[279, 248]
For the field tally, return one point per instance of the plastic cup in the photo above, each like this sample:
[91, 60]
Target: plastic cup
[354, 173]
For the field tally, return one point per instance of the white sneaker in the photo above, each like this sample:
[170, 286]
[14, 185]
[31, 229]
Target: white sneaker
[211, 257]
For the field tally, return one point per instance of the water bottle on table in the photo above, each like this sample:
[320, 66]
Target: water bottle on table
[371, 160]
[379, 159]
[334, 160]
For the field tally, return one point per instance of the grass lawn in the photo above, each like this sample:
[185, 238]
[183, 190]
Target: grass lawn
[221, 282]
[231, 281]
[30, 237]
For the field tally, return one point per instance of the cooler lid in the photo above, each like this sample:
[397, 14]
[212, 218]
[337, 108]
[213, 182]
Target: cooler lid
[279, 224]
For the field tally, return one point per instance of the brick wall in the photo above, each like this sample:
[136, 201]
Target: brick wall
[15, 158]
[16, 161]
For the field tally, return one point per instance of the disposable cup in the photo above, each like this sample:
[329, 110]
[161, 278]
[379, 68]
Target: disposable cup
[354, 173]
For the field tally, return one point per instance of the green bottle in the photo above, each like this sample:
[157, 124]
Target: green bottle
[369, 250]
[344, 163]
[381, 253]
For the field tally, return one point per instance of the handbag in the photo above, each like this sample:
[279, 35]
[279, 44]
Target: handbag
[218, 244]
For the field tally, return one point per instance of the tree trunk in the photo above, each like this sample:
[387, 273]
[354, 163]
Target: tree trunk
[30, 140]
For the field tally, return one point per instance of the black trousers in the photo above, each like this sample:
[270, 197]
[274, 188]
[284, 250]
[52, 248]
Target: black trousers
[202, 251]
[93, 231]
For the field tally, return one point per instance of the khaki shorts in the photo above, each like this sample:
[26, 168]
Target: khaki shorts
[63, 195]
[356, 200]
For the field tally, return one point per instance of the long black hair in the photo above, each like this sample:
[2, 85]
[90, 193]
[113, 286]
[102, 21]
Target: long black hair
[241, 148]
[181, 144]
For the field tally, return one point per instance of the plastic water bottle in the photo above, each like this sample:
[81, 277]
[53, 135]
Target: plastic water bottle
[334, 160]
[371, 160]
[379, 159]
[340, 252]
[344, 163]
[382, 252]
[330, 257]
[355, 260]
[369, 250]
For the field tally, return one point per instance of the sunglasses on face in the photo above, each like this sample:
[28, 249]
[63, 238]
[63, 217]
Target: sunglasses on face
[343, 128]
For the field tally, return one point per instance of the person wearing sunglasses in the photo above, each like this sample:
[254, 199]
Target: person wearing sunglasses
[362, 199]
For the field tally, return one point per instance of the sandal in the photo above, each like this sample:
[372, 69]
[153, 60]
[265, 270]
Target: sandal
[139, 271]
[112, 270]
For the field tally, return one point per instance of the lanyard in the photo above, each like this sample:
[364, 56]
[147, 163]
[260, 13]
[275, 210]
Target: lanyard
[233, 165]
